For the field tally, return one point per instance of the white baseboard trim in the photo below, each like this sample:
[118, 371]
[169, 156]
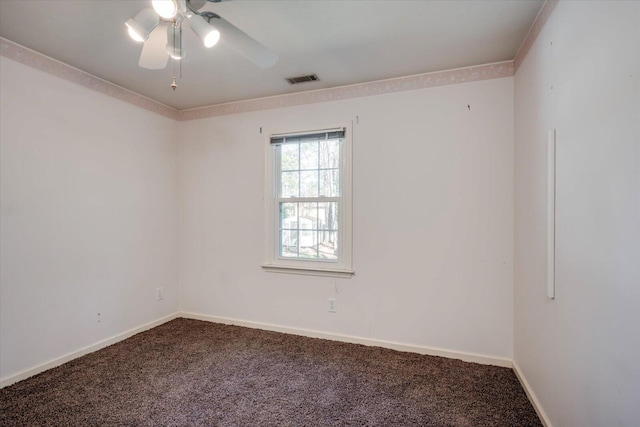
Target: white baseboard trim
[412, 348]
[532, 396]
[89, 349]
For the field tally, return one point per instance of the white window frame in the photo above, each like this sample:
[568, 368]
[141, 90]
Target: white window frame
[342, 267]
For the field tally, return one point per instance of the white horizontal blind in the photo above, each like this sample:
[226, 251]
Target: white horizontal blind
[294, 138]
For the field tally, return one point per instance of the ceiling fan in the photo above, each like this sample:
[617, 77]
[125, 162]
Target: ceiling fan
[160, 29]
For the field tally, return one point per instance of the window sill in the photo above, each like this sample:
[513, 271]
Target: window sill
[326, 272]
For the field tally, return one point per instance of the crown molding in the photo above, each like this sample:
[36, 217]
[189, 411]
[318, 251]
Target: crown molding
[400, 84]
[26, 56]
[544, 14]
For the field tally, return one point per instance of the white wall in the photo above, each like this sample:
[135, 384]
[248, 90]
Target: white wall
[433, 220]
[89, 217]
[581, 352]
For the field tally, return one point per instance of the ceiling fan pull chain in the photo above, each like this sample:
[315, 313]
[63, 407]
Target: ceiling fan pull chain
[175, 45]
[174, 85]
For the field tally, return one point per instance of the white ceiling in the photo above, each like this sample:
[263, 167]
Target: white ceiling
[343, 42]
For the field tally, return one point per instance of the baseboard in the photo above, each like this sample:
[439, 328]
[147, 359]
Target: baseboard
[467, 357]
[532, 396]
[89, 349]
[431, 351]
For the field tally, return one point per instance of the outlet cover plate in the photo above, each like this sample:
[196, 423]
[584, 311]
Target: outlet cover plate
[332, 305]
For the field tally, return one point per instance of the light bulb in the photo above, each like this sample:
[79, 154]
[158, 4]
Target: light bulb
[167, 9]
[212, 38]
[141, 26]
[207, 32]
[135, 36]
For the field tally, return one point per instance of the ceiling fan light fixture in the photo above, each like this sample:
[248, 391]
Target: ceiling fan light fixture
[133, 34]
[175, 47]
[178, 55]
[141, 26]
[207, 32]
[167, 9]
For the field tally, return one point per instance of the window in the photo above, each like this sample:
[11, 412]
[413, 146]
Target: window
[309, 203]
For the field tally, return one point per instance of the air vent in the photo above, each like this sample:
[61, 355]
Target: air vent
[302, 79]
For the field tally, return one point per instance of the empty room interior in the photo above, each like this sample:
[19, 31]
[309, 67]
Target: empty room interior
[320, 213]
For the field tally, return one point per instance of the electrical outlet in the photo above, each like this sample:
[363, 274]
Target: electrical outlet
[159, 294]
[332, 305]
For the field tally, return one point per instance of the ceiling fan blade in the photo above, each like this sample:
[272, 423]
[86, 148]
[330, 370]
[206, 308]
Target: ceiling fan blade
[154, 54]
[245, 45]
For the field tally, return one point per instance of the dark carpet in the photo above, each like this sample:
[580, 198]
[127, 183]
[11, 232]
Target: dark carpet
[194, 373]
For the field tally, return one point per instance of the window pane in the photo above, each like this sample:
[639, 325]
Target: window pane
[308, 215]
[289, 243]
[309, 155]
[330, 183]
[309, 183]
[289, 157]
[328, 216]
[308, 233]
[330, 154]
[289, 184]
[308, 243]
[309, 230]
[328, 245]
[288, 216]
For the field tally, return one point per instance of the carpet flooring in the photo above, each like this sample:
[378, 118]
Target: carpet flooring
[194, 373]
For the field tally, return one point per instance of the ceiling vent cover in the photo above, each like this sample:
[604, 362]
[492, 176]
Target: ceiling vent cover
[302, 79]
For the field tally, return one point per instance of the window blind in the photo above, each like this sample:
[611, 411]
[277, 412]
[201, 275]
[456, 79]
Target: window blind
[295, 138]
